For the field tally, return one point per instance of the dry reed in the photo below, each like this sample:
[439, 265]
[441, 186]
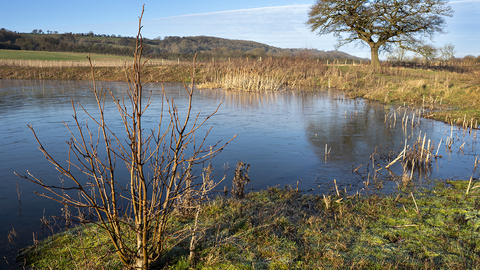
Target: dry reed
[246, 80]
[421, 153]
[240, 180]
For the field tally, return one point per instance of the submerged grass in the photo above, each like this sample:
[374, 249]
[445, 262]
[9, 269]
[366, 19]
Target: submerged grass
[437, 228]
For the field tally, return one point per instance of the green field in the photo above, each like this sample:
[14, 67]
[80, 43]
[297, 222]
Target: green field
[55, 56]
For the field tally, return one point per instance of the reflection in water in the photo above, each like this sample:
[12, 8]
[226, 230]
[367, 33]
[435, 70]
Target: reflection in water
[282, 135]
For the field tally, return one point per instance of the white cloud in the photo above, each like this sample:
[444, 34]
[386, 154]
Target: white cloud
[281, 26]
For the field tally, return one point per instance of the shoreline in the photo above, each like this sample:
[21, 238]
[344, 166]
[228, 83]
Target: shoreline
[451, 97]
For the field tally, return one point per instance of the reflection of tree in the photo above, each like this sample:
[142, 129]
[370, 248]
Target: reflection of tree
[353, 137]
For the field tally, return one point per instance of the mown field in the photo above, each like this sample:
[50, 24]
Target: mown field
[56, 56]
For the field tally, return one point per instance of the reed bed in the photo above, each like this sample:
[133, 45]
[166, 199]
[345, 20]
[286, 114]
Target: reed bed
[268, 74]
[246, 80]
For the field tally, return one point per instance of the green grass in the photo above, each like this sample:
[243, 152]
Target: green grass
[84, 247]
[55, 56]
[286, 229]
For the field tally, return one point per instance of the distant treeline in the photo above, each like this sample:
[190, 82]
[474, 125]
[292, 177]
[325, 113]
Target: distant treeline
[169, 47]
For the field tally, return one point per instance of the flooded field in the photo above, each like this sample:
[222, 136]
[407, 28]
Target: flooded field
[316, 140]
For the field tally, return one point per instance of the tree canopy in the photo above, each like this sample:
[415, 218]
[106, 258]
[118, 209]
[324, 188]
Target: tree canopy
[380, 23]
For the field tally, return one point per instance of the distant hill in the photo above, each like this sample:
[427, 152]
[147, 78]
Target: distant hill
[170, 47]
[204, 44]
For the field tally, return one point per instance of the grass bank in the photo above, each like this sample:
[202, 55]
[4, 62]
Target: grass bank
[287, 229]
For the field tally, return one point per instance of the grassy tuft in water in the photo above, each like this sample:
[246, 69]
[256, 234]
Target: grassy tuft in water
[437, 228]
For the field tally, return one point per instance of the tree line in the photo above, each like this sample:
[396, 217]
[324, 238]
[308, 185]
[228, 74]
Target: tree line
[168, 47]
[67, 42]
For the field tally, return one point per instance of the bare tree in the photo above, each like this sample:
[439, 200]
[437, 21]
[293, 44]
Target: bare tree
[428, 52]
[379, 23]
[399, 54]
[447, 52]
[135, 215]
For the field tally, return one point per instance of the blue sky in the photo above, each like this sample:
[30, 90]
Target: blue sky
[278, 23]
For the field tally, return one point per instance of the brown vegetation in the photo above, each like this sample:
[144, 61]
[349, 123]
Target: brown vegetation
[167, 73]
[437, 88]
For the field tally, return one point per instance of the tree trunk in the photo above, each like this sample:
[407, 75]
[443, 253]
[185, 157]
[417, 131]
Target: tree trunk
[374, 54]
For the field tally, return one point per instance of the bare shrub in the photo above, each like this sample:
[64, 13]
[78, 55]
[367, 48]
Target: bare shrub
[240, 180]
[133, 210]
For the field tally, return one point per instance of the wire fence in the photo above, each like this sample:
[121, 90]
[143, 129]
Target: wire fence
[161, 62]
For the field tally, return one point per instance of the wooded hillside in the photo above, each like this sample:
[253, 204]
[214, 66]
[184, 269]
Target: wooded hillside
[170, 47]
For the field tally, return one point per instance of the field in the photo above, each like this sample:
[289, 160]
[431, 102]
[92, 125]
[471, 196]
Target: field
[56, 56]
[20, 58]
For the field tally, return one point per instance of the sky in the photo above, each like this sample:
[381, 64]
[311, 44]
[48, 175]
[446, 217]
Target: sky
[278, 23]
